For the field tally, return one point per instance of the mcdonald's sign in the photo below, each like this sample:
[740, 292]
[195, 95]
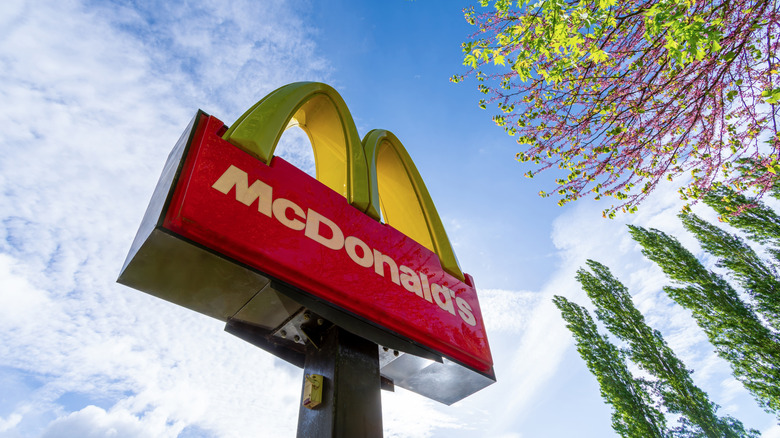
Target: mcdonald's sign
[238, 234]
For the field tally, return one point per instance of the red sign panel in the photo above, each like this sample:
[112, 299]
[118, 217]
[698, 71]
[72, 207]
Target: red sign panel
[281, 221]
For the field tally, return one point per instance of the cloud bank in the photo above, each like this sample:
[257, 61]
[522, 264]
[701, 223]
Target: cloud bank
[95, 94]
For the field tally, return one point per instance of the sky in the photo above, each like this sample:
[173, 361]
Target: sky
[95, 94]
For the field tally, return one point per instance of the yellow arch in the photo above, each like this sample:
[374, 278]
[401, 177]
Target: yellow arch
[375, 176]
[319, 111]
[398, 191]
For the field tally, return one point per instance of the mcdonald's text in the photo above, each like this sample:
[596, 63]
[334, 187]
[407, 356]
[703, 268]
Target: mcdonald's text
[324, 231]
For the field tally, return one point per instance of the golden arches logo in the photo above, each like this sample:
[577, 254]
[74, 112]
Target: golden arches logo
[375, 175]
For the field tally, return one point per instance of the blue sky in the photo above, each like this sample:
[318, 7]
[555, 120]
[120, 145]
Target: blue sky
[94, 96]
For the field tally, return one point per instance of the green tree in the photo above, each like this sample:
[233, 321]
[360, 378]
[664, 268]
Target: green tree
[623, 94]
[738, 335]
[757, 278]
[760, 223]
[633, 412]
[647, 348]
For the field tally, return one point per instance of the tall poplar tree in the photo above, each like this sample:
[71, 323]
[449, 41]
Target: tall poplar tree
[759, 222]
[647, 348]
[633, 412]
[756, 277]
[738, 335]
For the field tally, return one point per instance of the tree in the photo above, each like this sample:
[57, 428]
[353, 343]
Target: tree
[620, 95]
[738, 335]
[647, 348]
[633, 412]
[761, 224]
[757, 278]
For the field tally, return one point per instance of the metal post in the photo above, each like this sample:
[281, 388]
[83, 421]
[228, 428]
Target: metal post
[351, 401]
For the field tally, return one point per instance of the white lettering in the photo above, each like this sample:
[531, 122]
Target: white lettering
[327, 233]
[281, 206]
[410, 280]
[438, 293]
[426, 288]
[464, 310]
[313, 228]
[380, 260]
[351, 244]
[235, 177]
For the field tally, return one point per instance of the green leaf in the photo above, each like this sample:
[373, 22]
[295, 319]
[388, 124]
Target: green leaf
[598, 56]
[605, 4]
[771, 96]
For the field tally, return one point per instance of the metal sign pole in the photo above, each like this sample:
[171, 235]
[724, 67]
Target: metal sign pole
[351, 401]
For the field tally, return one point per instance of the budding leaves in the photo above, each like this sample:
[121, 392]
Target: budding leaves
[598, 56]
[771, 96]
[605, 4]
[676, 76]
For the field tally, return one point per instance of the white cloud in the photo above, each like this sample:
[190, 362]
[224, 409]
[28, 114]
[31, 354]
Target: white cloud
[772, 432]
[93, 421]
[507, 311]
[535, 354]
[407, 414]
[19, 301]
[10, 422]
[94, 98]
